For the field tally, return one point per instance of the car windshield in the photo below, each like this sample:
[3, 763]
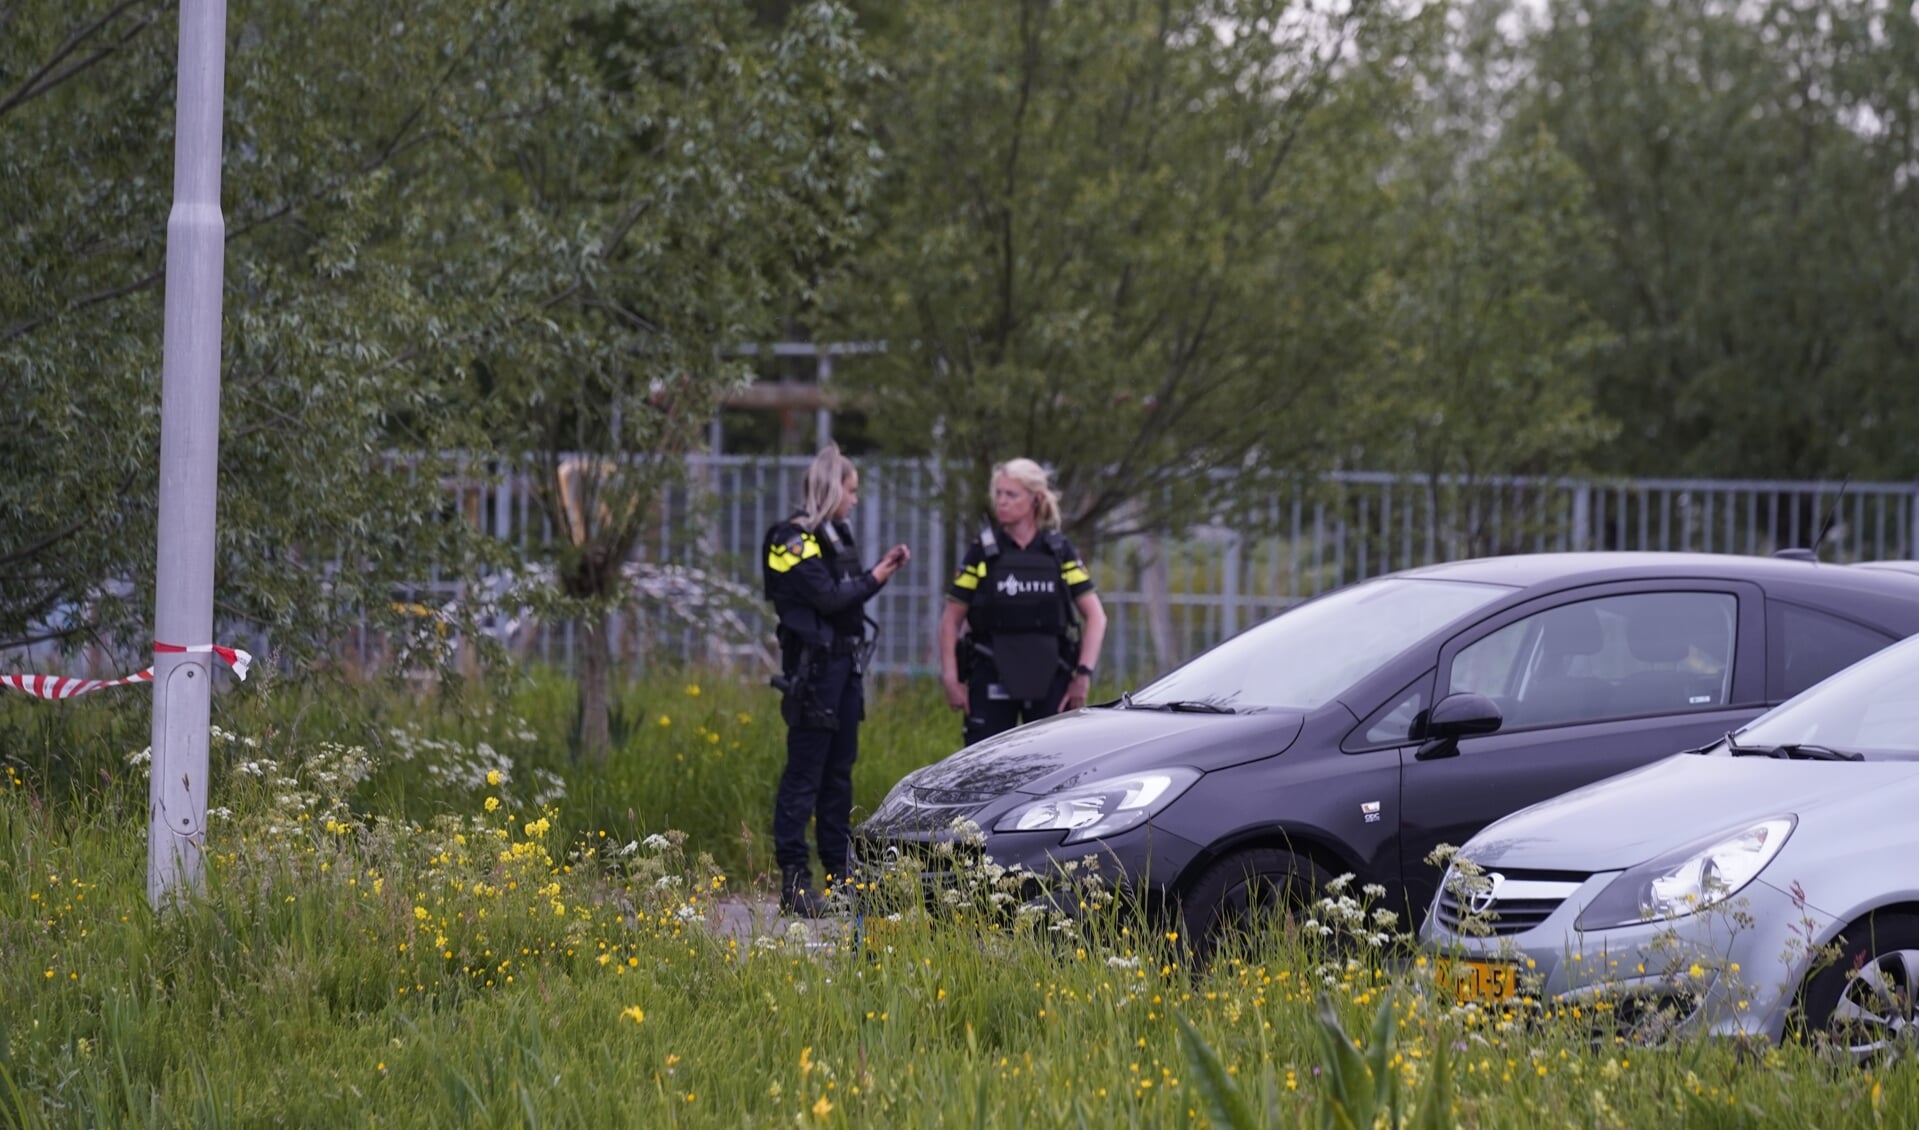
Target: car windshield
[1307, 655]
[1870, 708]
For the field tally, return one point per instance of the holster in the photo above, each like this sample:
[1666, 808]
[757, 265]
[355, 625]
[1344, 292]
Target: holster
[800, 704]
[966, 657]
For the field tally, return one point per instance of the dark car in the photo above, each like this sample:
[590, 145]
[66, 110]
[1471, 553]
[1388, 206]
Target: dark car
[1362, 729]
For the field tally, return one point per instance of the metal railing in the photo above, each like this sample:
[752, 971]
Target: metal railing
[1169, 597]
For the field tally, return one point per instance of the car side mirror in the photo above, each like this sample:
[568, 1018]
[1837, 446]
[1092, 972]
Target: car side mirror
[1454, 717]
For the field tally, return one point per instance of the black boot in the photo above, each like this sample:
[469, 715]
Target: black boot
[797, 896]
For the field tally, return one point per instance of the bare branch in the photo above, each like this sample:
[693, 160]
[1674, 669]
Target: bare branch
[41, 546]
[395, 145]
[42, 637]
[45, 79]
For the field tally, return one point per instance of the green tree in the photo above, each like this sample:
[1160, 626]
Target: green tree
[1115, 239]
[684, 167]
[1483, 352]
[521, 230]
[1750, 167]
[329, 328]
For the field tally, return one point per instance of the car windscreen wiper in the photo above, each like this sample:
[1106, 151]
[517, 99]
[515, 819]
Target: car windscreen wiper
[1184, 706]
[1797, 751]
[1806, 751]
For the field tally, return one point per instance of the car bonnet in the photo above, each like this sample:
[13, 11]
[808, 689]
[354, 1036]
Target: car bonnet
[1061, 751]
[1628, 819]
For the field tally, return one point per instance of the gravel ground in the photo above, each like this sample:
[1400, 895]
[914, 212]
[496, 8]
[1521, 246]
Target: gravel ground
[747, 919]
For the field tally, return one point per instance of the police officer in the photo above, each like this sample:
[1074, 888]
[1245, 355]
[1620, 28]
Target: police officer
[1018, 593]
[819, 590]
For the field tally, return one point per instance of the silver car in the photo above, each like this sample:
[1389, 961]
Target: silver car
[1767, 881]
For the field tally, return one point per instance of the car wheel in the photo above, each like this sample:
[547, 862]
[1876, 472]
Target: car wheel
[1862, 1002]
[1243, 891]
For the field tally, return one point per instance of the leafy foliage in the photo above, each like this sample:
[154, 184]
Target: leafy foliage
[681, 168]
[329, 323]
[1122, 213]
[1751, 170]
[522, 231]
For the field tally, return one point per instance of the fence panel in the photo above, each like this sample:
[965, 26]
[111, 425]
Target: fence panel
[1169, 597]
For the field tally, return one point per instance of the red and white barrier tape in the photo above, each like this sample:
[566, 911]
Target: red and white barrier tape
[60, 686]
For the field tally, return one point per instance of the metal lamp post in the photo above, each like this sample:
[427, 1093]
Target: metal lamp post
[189, 459]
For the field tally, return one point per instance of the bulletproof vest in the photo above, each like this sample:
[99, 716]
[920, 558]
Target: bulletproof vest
[833, 544]
[1021, 594]
[843, 561]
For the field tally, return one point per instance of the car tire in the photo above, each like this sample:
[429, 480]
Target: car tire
[1232, 896]
[1861, 1002]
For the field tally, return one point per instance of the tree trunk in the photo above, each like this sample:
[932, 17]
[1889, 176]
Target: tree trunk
[595, 670]
[1155, 583]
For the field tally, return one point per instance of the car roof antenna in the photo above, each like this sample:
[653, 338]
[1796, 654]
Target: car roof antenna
[1811, 553]
[1832, 515]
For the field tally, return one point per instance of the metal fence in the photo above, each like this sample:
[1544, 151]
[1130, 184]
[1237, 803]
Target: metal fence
[1168, 597]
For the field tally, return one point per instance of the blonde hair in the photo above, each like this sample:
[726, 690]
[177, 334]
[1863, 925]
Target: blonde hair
[823, 487]
[1033, 477]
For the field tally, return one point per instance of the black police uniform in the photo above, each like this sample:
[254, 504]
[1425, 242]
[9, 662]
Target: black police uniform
[818, 589]
[1021, 627]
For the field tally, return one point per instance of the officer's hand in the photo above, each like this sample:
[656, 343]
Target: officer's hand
[891, 561]
[1075, 696]
[955, 692]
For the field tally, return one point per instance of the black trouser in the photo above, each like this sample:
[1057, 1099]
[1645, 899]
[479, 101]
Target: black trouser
[990, 711]
[818, 781]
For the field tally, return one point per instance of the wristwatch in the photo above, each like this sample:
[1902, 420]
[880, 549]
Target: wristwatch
[1082, 669]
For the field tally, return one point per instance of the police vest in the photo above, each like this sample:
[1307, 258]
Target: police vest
[787, 545]
[1021, 594]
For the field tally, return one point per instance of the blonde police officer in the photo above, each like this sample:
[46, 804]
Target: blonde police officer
[819, 590]
[1034, 624]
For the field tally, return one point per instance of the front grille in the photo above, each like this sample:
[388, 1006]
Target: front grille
[915, 818]
[1518, 901]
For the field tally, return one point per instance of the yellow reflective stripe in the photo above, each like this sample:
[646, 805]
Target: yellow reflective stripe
[780, 558]
[1073, 573]
[969, 578]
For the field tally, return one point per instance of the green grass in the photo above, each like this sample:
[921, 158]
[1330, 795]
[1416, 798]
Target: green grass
[379, 946]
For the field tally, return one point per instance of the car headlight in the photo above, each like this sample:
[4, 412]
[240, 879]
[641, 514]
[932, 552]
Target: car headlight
[1689, 880]
[1100, 808]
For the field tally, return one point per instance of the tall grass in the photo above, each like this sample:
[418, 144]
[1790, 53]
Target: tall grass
[395, 932]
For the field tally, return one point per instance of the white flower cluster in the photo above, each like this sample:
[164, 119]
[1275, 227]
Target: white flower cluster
[1340, 914]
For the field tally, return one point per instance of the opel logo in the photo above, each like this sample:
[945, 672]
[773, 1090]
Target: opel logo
[1479, 902]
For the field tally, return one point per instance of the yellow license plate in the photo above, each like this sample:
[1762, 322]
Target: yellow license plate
[1479, 982]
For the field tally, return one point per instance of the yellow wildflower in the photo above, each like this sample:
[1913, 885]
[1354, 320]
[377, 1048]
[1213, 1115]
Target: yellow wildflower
[636, 1014]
